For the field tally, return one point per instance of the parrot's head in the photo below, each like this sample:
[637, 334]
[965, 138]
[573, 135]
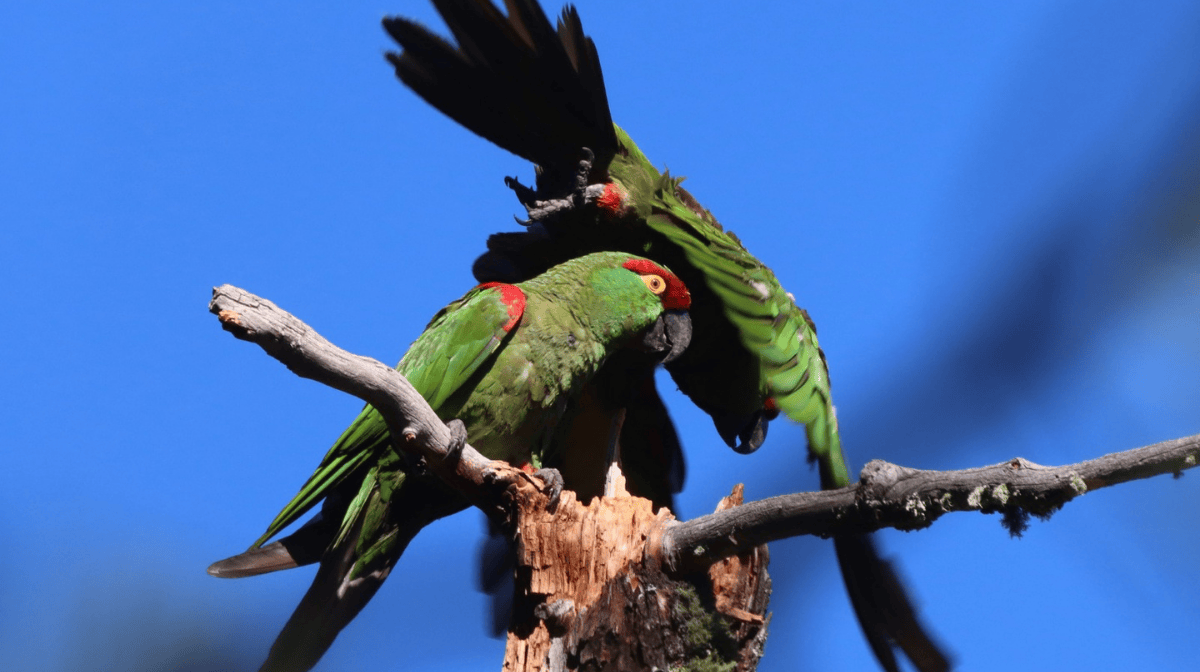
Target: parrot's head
[626, 301]
[671, 331]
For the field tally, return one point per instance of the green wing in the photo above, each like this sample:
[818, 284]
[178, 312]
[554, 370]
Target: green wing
[460, 338]
[781, 336]
[457, 341]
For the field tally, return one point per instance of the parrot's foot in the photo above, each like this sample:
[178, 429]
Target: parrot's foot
[525, 195]
[541, 210]
[554, 485]
[581, 176]
[458, 439]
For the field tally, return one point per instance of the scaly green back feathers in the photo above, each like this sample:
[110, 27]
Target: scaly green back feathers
[504, 359]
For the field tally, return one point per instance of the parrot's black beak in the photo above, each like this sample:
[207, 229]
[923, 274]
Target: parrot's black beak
[670, 335]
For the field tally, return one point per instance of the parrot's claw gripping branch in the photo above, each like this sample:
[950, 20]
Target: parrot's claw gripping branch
[458, 438]
[554, 485]
[309, 355]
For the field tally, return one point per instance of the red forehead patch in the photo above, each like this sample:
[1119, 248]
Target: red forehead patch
[513, 299]
[676, 296]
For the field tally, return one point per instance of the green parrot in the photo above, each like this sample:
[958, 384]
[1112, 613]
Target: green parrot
[527, 371]
[539, 93]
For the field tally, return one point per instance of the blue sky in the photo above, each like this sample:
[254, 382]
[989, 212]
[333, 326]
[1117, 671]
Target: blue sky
[990, 210]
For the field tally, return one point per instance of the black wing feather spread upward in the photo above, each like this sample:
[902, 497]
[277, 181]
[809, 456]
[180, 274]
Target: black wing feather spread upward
[534, 91]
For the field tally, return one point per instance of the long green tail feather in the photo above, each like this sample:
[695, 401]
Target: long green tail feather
[360, 444]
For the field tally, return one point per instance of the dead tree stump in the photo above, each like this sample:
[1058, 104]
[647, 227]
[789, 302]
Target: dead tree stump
[593, 594]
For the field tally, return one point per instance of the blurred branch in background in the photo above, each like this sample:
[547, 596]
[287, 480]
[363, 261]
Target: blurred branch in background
[1101, 224]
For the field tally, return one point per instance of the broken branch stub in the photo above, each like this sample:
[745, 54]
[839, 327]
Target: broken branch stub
[593, 594]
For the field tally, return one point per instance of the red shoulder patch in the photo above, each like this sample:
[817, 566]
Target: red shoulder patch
[513, 299]
[677, 295]
[612, 200]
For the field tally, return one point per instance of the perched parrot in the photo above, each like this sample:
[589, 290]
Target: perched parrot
[526, 369]
[539, 93]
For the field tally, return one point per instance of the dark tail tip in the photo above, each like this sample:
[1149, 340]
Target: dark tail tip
[887, 615]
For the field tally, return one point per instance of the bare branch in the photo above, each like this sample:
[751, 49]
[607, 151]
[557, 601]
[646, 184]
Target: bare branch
[889, 495]
[414, 426]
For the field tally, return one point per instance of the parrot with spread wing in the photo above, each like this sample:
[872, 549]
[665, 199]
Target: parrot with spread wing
[525, 369]
[538, 92]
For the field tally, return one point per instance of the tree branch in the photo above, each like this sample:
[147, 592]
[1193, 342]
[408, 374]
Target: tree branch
[889, 495]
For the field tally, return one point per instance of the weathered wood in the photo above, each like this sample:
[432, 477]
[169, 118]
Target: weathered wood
[741, 589]
[591, 596]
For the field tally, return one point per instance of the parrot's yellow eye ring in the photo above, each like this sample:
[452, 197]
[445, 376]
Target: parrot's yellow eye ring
[655, 283]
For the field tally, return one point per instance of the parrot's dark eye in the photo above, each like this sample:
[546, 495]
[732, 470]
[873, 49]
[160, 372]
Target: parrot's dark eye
[655, 283]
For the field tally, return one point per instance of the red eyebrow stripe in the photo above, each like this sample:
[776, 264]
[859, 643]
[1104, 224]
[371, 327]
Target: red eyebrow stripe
[513, 299]
[676, 296]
